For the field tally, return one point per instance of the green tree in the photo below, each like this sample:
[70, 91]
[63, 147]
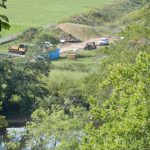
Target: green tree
[54, 129]
[3, 25]
[20, 83]
[4, 22]
[51, 35]
[124, 119]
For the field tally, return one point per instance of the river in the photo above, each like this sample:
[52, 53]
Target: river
[15, 129]
[16, 133]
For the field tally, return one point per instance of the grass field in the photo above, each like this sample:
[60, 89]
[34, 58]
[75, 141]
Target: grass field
[27, 13]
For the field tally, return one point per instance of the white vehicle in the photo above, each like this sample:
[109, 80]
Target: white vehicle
[62, 41]
[104, 41]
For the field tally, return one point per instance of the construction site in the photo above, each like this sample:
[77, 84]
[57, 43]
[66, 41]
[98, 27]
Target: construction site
[68, 44]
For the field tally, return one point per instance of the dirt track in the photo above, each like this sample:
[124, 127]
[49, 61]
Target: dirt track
[79, 46]
[76, 46]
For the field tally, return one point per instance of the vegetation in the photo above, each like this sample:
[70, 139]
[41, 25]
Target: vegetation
[3, 19]
[119, 114]
[20, 86]
[62, 126]
[109, 13]
[24, 14]
[3, 25]
[123, 118]
[51, 35]
[101, 101]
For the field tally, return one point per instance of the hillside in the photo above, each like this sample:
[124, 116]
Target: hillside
[109, 13]
[27, 13]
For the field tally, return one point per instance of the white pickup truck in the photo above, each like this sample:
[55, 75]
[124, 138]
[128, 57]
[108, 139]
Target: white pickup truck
[104, 41]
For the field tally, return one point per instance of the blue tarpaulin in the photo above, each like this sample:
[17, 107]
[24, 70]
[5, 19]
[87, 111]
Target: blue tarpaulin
[54, 54]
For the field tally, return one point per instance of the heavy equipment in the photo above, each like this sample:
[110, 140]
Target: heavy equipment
[21, 49]
[90, 46]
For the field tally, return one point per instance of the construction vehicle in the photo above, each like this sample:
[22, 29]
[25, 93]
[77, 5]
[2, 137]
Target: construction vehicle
[50, 51]
[104, 41]
[90, 46]
[21, 49]
[48, 46]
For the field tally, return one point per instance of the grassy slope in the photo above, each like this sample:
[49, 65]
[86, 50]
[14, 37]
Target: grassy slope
[112, 17]
[29, 13]
[108, 14]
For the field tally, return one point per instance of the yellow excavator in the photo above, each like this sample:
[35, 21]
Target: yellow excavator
[21, 49]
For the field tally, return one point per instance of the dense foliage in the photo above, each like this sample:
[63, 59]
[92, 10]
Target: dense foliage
[20, 86]
[124, 118]
[50, 35]
[50, 129]
[116, 96]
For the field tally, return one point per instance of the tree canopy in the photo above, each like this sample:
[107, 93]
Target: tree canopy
[4, 21]
[124, 117]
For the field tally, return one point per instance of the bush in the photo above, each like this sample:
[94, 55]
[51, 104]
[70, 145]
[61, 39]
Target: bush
[50, 35]
[63, 85]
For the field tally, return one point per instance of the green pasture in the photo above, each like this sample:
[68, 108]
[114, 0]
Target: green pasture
[27, 13]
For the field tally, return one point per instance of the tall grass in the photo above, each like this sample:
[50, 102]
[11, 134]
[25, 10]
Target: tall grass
[87, 61]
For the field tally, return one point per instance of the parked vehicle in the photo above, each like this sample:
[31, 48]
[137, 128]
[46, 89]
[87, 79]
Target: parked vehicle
[90, 46]
[51, 51]
[47, 45]
[104, 41]
[62, 41]
[21, 49]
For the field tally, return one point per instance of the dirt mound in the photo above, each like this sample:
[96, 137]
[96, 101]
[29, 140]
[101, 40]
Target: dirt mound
[82, 32]
[69, 38]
